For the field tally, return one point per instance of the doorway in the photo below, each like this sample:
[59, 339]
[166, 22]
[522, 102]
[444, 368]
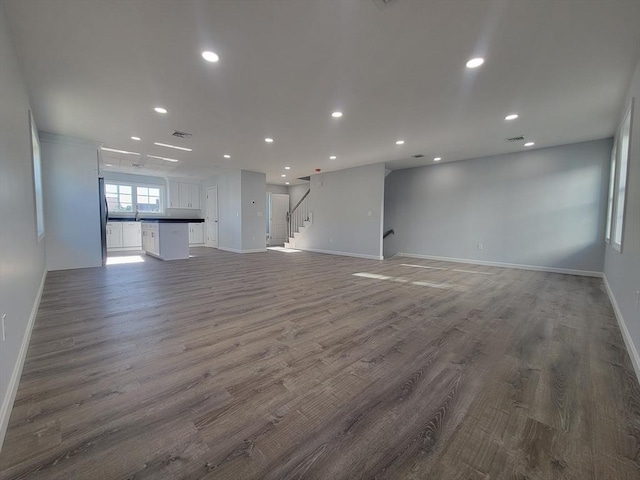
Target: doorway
[277, 228]
[211, 220]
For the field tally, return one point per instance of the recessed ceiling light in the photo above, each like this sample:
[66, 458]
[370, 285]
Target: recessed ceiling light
[336, 114]
[437, 159]
[160, 110]
[118, 151]
[332, 157]
[108, 165]
[268, 140]
[283, 175]
[172, 146]
[163, 158]
[137, 139]
[511, 116]
[399, 142]
[210, 56]
[286, 183]
[287, 168]
[226, 155]
[475, 62]
[529, 144]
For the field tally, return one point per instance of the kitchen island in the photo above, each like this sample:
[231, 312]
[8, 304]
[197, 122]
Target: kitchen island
[166, 238]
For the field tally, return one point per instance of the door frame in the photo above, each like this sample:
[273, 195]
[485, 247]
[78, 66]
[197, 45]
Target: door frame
[212, 191]
[270, 213]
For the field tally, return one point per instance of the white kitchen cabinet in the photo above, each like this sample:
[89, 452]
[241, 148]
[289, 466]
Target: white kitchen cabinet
[174, 195]
[196, 234]
[166, 240]
[131, 235]
[150, 238]
[114, 235]
[184, 195]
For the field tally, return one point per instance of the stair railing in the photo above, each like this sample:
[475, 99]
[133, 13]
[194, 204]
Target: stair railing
[298, 214]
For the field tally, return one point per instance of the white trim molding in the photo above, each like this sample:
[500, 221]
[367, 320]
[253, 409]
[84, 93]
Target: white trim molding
[344, 254]
[535, 268]
[10, 395]
[631, 348]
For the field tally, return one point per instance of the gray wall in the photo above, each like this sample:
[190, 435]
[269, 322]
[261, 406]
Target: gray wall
[296, 192]
[253, 212]
[22, 257]
[542, 208]
[283, 189]
[72, 205]
[340, 206]
[622, 270]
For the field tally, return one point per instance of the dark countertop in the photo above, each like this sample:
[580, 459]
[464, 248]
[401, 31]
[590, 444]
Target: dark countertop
[156, 219]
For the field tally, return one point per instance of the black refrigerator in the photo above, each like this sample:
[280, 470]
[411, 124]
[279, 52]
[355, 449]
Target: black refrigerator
[104, 216]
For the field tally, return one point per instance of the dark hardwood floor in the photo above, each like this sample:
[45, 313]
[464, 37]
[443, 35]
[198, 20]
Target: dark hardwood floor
[291, 366]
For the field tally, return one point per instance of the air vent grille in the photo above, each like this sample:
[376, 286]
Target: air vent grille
[384, 3]
[419, 155]
[514, 139]
[180, 134]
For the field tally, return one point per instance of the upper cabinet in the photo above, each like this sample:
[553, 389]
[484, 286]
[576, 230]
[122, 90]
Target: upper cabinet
[184, 195]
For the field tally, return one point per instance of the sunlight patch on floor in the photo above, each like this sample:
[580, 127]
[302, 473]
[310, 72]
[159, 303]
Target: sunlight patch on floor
[440, 268]
[282, 249]
[376, 276]
[124, 260]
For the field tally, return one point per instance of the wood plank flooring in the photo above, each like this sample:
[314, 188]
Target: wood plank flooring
[308, 366]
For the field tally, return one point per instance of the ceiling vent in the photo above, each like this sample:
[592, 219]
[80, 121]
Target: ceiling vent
[137, 165]
[180, 134]
[515, 139]
[383, 3]
[419, 155]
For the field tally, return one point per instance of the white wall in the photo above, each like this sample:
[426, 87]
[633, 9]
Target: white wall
[543, 208]
[347, 210]
[22, 257]
[622, 270]
[72, 204]
[253, 211]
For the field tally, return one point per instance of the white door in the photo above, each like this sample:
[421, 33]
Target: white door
[212, 217]
[278, 218]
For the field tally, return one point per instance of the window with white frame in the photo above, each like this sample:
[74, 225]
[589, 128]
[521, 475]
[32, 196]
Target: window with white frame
[620, 172]
[129, 198]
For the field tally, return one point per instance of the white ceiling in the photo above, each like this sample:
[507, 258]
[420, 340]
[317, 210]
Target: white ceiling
[96, 69]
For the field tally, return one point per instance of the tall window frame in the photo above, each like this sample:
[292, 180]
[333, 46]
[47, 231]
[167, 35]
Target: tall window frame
[37, 178]
[623, 152]
[612, 189]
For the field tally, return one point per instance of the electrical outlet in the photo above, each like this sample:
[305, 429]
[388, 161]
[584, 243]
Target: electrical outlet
[331, 239]
[369, 213]
[480, 246]
[4, 334]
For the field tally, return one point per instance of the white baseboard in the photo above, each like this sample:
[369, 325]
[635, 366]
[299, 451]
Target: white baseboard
[10, 395]
[631, 348]
[344, 254]
[235, 250]
[566, 271]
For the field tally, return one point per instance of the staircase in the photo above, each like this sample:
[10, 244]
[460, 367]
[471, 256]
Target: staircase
[298, 219]
[296, 235]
